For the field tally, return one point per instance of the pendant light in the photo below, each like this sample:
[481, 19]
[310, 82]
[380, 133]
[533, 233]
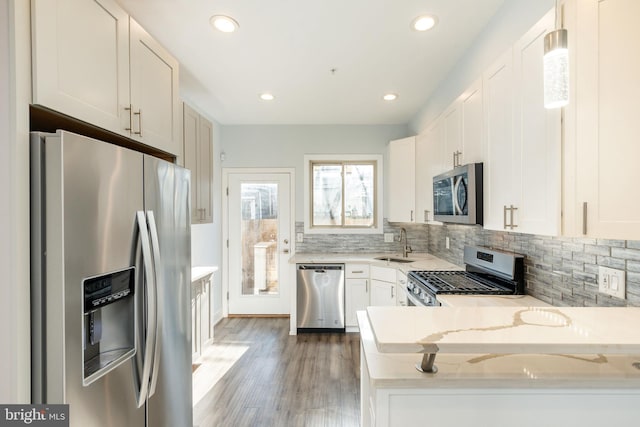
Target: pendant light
[556, 67]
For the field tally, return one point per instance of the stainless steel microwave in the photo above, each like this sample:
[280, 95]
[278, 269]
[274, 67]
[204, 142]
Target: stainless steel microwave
[457, 195]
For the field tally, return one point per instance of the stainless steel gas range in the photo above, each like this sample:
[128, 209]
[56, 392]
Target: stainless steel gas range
[487, 272]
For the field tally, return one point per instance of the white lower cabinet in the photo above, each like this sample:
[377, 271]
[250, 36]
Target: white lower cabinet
[401, 286]
[383, 286]
[356, 292]
[201, 315]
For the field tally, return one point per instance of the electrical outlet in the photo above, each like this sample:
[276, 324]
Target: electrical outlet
[447, 244]
[388, 237]
[299, 237]
[612, 282]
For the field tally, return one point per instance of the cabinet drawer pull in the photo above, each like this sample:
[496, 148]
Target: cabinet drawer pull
[357, 271]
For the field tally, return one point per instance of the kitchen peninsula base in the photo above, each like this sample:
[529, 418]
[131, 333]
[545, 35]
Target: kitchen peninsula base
[526, 390]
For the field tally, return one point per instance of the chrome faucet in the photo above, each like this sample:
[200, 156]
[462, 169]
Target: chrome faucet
[406, 249]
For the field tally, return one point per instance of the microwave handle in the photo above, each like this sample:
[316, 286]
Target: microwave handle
[456, 206]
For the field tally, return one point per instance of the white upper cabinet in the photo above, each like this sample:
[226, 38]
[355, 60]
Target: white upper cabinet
[522, 154]
[198, 157]
[81, 60]
[430, 161]
[401, 180]
[471, 118]
[462, 128]
[93, 63]
[602, 126]
[498, 159]
[155, 105]
[452, 123]
[536, 137]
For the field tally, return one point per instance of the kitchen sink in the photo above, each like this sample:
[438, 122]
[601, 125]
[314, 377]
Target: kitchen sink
[394, 259]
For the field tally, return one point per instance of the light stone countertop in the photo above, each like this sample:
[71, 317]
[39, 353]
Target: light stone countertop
[529, 371]
[199, 272]
[420, 261]
[503, 330]
[491, 301]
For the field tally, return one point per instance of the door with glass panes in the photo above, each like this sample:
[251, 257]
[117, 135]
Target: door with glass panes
[259, 242]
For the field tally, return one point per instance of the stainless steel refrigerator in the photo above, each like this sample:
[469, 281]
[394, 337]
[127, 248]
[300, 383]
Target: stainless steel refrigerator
[111, 245]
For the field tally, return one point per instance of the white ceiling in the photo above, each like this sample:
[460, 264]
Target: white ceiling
[288, 47]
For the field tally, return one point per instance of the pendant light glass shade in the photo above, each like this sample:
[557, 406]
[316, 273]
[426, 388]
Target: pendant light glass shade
[556, 69]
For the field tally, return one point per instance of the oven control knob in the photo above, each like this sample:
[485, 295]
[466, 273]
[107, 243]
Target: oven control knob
[410, 286]
[416, 290]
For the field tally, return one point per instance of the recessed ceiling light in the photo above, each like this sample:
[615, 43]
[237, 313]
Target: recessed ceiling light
[267, 97]
[390, 97]
[224, 23]
[424, 23]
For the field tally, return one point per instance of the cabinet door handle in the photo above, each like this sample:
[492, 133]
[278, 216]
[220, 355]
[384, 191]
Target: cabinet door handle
[392, 292]
[412, 216]
[366, 286]
[130, 110]
[584, 218]
[357, 271]
[426, 215]
[139, 114]
[454, 159]
[513, 225]
[504, 217]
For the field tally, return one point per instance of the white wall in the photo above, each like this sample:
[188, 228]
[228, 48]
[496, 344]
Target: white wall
[15, 82]
[284, 146]
[512, 21]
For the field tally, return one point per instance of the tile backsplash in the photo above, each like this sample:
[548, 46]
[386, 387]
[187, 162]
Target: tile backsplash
[562, 271]
[341, 243]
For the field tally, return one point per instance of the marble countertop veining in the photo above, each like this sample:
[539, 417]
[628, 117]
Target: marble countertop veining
[504, 330]
[529, 371]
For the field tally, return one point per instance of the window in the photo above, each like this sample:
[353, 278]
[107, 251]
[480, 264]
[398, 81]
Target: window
[343, 194]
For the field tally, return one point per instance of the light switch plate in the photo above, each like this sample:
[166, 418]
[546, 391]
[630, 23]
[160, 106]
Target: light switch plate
[612, 282]
[299, 237]
[388, 237]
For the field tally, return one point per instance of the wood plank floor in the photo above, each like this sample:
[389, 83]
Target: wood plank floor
[267, 378]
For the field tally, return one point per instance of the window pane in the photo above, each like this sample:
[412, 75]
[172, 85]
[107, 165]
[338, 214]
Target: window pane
[259, 235]
[358, 195]
[327, 195]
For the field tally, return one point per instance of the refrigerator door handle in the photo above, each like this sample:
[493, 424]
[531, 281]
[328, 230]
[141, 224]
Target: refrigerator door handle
[149, 274]
[155, 247]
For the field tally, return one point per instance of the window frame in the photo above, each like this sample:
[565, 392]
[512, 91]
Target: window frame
[313, 159]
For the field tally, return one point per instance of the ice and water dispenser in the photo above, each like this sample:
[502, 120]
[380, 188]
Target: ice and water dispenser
[109, 322]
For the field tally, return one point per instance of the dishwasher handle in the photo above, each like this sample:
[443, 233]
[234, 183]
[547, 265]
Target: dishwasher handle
[320, 268]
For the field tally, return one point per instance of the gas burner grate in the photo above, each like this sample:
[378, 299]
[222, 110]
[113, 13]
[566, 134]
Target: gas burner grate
[458, 282]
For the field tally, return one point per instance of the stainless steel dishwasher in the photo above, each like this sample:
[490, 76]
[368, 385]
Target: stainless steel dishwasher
[320, 297]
